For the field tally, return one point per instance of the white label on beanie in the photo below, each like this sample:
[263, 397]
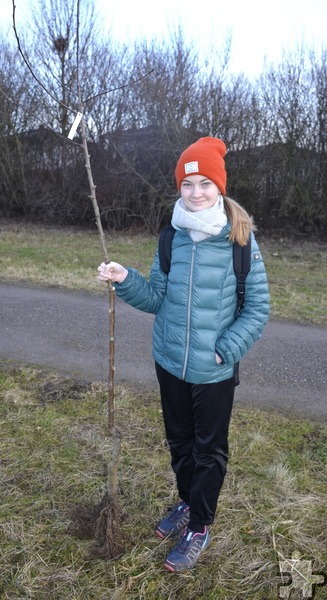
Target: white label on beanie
[191, 167]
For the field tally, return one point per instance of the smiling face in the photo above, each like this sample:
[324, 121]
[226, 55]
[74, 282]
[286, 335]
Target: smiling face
[198, 192]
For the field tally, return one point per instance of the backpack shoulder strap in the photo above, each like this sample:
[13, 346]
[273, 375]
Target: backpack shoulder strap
[242, 264]
[164, 247]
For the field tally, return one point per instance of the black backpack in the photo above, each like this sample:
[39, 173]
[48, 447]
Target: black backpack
[241, 263]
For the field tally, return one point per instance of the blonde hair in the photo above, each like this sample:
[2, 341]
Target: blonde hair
[241, 222]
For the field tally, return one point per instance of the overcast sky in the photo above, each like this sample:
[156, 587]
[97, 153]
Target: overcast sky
[258, 28]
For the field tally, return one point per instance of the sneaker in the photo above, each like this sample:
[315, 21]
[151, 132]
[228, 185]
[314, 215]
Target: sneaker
[175, 521]
[186, 553]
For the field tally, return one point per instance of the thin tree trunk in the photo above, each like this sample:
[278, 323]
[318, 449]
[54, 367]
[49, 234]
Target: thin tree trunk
[108, 528]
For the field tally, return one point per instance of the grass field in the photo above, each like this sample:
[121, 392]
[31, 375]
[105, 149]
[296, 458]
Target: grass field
[55, 450]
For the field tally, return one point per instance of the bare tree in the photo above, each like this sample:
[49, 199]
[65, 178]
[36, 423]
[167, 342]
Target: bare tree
[109, 525]
[274, 127]
[14, 118]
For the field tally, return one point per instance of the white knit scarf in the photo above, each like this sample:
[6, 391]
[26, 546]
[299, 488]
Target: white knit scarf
[201, 224]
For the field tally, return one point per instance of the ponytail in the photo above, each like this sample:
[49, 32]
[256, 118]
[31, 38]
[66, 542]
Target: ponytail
[241, 222]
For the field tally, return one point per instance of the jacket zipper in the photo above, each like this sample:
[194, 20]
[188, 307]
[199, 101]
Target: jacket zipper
[188, 316]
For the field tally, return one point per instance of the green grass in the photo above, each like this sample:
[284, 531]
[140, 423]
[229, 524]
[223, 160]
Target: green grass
[54, 453]
[66, 257]
[298, 280]
[69, 258]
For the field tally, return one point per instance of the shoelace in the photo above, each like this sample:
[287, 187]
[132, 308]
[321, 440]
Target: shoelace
[175, 515]
[185, 540]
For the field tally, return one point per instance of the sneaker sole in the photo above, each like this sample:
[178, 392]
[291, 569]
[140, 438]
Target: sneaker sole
[160, 535]
[169, 568]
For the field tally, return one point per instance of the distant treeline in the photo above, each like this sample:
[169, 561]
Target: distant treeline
[159, 99]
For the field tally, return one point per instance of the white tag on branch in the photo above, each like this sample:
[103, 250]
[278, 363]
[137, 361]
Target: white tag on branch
[74, 126]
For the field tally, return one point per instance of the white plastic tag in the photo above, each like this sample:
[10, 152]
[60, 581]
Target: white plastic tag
[74, 126]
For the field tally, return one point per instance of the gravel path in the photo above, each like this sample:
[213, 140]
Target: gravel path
[286, 370]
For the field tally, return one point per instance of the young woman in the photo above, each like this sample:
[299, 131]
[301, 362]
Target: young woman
[197, 338]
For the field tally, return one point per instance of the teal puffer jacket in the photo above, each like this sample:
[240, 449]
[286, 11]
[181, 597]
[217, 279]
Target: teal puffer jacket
[195, 306]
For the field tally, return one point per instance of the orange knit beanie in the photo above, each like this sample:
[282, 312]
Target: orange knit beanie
[204, 157]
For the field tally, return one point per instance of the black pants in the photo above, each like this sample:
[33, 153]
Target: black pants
[196, 420]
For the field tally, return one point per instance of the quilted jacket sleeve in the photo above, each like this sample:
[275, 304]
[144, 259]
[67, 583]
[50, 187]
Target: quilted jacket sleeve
[145, 295]
[240, 336]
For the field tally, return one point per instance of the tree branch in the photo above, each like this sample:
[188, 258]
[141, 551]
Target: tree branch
[28, 64]
[30, 112]
[121, 87]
